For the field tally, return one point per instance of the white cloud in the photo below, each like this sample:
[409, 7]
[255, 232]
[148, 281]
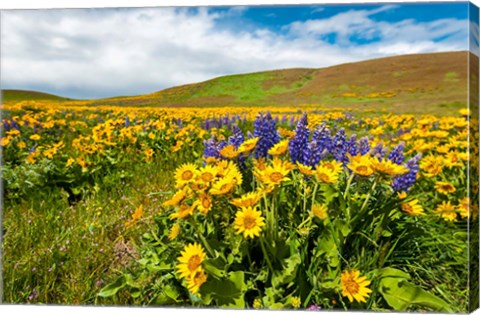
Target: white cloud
[100, 53]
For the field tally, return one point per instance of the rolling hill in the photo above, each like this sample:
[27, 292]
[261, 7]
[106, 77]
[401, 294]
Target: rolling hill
[405, 81]
[25, 95]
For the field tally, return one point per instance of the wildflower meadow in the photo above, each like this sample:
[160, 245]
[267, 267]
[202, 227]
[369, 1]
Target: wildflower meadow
[239, 207]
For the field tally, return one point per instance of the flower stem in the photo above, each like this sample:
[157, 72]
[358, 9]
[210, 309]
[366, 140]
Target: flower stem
[304, 196]
[304, 222]
[269, 263]
[204, 241]
[348, 186]
[269, 216]
[372, 189]
[314, 194]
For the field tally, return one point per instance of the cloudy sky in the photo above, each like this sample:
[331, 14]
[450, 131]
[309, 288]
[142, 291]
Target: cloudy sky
[93, 53]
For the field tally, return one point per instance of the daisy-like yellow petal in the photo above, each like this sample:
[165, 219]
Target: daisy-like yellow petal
[249, 222]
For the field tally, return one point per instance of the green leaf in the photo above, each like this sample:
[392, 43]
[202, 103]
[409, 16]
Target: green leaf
[131, 282]
[343, 227]
[329, 284]
[277, 306]
[330, 193]
[230, 259]
[161, 267]
[215, 267]
[289, 271]
[113, 288]
[135, 293]
[400, 294]
[271, 294]
[226, 292]
[328, 247]
[393, 273]
[171, 292]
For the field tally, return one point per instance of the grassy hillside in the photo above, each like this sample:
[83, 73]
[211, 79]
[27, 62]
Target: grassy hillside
[427, 82]
[23, 95]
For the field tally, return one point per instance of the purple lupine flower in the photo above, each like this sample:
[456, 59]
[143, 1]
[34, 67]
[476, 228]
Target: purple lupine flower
[299, 143]
[265, 129]
[33, 295]
[237, 138]
[207, 124]
[339, 145]
[352, 147]
[292, 121]
[323, 137]
[6, 126]
[284, 119]
[379, 151]
[210, 148]
[396, 155]
[314, 307]
[316, 153]
[306, 155]
[405, 182]
[127, 121]
[222, 144]
[363, 145]
[15, 125]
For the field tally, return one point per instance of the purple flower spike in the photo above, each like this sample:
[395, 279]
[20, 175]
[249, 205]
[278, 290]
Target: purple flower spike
[396, 155]
[323, 138]
[265, 129]
[364, 145]
[405, 182]
[237, 138]
[210, 148]
[339, 147]
[299, 144]
[379, 151]
[352, 145]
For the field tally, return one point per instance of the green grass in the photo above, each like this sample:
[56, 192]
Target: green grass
[451, 77]
[64, 251]
[23, 95]
[247, 87]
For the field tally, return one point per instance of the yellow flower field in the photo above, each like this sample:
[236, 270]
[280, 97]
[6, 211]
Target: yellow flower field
[237, 207]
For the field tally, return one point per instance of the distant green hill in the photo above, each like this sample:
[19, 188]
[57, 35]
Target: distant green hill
[24, 95]
[407, 83]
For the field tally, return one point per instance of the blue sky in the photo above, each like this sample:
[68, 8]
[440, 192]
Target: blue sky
[93, 53]
[275, 17]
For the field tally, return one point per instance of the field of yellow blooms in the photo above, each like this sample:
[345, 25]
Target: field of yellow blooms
[272, 208]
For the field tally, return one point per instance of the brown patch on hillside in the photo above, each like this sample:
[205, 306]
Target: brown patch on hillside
[393, 73]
